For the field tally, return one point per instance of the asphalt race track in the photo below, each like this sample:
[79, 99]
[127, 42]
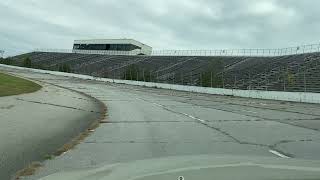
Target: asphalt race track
[33, 126]
[144, 123]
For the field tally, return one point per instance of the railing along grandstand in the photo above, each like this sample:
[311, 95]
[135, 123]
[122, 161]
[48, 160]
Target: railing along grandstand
[310, 48]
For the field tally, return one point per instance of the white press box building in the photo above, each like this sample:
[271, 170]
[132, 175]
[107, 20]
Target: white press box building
[112, 47]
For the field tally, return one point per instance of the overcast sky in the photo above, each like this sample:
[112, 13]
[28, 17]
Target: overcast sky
[162, 24]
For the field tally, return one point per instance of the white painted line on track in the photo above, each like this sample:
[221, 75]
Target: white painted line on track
[249, 111]
[160, 105]
[278, 154]
[190, 116]
[195, 118]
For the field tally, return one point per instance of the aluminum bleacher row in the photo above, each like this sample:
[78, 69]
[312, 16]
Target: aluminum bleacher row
[282, 73]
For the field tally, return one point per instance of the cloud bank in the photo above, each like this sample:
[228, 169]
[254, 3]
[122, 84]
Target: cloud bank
[163, 24]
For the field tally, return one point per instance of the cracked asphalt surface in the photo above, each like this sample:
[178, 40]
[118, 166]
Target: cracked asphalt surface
[147, 123]
[33, 126]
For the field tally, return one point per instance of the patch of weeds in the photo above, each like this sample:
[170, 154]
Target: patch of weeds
[29, 170]
[48, 156]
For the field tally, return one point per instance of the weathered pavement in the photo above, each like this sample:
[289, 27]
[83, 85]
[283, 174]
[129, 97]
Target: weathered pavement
[33, 126]
[147, 123]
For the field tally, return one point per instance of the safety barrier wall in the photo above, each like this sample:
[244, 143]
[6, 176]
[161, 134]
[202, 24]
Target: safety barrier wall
[258, 94]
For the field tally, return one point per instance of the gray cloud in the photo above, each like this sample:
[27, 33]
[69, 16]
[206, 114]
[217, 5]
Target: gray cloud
[165, 24]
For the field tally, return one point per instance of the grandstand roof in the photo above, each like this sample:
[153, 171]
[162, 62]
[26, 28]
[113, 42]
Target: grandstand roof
[110, 41]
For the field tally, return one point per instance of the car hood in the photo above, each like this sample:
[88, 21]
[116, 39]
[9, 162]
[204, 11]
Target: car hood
[198, 168]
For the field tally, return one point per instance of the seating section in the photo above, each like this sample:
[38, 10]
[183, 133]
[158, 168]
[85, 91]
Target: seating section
[284, 73]
[299, 72]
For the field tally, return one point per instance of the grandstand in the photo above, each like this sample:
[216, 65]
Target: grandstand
[293, 72]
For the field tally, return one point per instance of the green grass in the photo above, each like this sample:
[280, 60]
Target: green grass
[10, 85]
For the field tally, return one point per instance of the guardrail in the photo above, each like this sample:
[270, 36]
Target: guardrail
[309, 48]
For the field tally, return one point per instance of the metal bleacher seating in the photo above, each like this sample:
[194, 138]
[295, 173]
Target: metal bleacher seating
[299, 72]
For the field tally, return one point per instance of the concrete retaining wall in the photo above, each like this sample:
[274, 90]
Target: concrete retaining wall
[273, 95]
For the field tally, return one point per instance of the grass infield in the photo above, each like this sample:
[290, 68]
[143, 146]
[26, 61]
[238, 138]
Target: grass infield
[10, 85]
